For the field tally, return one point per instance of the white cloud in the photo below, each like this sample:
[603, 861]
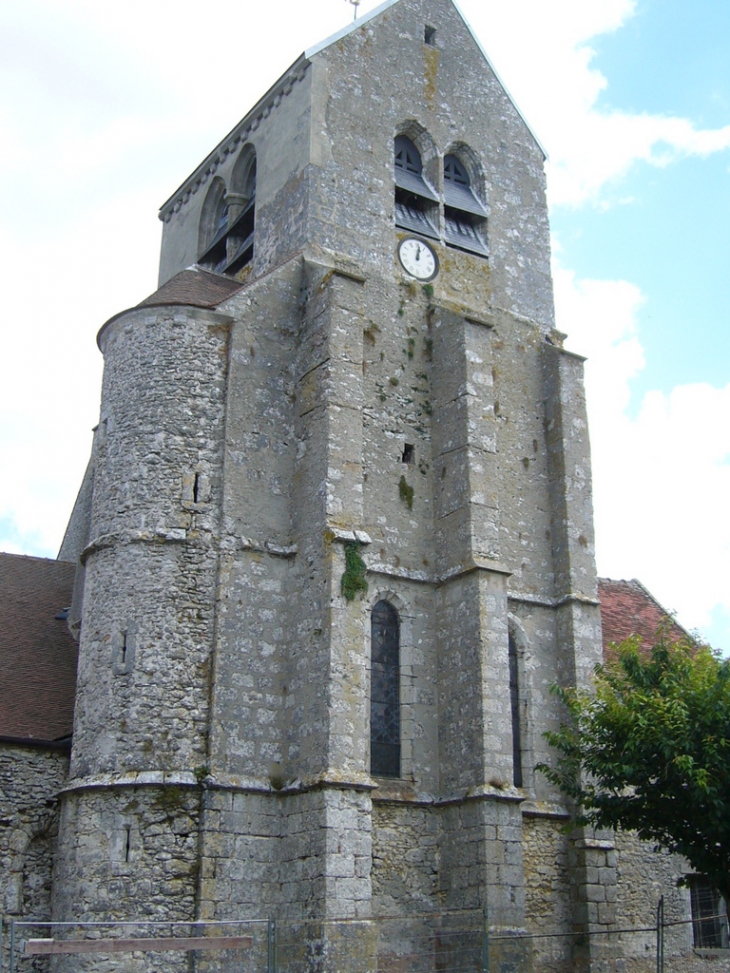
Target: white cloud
[662, 476]
[549, 69]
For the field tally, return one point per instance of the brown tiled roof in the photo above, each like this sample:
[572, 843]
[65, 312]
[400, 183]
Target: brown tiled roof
[627, 608]
[37, 653]
[193, 287]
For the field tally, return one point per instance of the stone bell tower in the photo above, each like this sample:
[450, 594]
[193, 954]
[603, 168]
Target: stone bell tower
[338, 527]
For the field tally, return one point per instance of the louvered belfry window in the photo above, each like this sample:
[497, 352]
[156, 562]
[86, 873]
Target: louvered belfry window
[231, 246]
[416, 204]
[385, 692]
[465, 218]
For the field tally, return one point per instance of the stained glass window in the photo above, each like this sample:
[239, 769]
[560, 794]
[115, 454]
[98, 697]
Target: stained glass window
[385, 692]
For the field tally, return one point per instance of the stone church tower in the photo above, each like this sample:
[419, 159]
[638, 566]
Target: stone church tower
[336, 533]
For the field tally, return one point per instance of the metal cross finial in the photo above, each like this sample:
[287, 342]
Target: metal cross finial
[355, 4]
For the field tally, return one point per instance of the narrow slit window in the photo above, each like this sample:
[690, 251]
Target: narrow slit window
[409, 454]
[385, 749]
[127, 842]
[429, 36]
[123, 650]
[196, 489]
[514, 698]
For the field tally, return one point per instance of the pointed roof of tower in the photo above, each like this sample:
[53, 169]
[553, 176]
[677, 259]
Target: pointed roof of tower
[292, 76]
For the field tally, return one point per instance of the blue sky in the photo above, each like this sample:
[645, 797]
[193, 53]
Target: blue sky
[104, 109]
[667, 229]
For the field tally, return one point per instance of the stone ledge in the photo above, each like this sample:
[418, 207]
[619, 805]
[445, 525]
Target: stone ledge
[258, 785]
[595, 844]
[404, 792]
[269, 547]
[474, 564]
[545, 809]
[140, 778]
[571, 597]
[163, 535]
[343, 536]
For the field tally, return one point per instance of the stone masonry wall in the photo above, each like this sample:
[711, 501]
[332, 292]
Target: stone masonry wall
[406, 859]
[644, 875]
[30, 779]
[129, 854]
[147, 635]
[547, 892]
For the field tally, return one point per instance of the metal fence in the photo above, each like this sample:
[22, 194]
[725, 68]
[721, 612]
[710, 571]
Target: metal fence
[448, 942]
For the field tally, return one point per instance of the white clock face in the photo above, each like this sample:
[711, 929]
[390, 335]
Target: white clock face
[418, 259]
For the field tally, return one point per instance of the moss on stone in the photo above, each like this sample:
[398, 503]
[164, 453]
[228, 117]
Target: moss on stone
[353, 580]
[406, 492]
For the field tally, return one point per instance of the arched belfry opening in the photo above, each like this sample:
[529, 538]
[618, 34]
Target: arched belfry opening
[227, 222]
[385, 748]
[416, 204]
[465, 218]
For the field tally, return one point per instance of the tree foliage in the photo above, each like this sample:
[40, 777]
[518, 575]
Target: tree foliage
[649, 751]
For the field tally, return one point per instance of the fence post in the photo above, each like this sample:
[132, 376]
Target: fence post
[485, 942]
[271, 959]
[660, 936]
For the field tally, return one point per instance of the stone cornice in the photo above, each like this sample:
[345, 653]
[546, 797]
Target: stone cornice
[235, 138]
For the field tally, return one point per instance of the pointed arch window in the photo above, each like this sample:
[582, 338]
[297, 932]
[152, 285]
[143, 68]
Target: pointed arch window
[385, 753]
[465, 219]
[231, 239]
[514, 698]
[416, 204]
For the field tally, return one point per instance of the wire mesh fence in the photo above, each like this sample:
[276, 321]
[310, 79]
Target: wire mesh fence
[445, 942]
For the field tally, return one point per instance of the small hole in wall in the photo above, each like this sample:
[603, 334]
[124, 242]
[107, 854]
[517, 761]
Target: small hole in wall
[429, 36]
[409, 454]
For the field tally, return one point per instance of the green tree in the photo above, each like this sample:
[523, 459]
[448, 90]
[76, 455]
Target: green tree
[648, 750]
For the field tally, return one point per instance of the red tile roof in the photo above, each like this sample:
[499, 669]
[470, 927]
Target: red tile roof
[193, 287]
[37, 653]
[627, 608]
